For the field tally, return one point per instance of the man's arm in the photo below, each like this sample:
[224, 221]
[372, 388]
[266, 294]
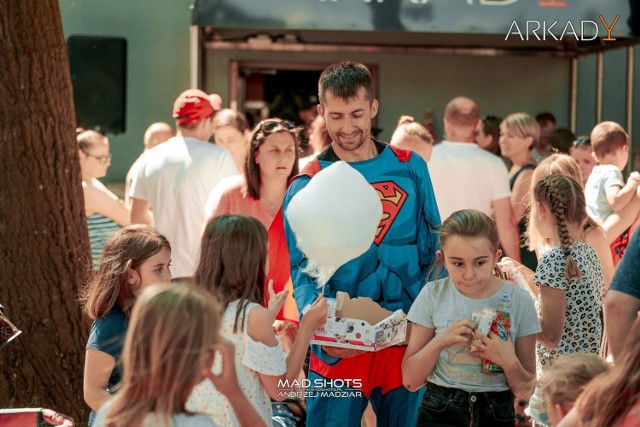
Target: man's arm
[620, 311]
[429, 221]
[141, 212]
[507, 227]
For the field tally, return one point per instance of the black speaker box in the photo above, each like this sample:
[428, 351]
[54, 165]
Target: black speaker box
[99, 77]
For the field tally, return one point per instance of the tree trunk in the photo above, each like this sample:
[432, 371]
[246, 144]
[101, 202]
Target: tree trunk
[43, 234]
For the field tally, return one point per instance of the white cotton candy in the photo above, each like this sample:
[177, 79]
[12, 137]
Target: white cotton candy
[334, 218]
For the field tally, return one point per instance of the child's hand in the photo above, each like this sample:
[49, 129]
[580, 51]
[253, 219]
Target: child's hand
[461, 332]
[493, 348]
[227, 382]
[315, 316]
[276, 301]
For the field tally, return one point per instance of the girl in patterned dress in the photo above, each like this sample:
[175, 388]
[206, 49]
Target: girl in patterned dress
[233, 257]
[569, 277]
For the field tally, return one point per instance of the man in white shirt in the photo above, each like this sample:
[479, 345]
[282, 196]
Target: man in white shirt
[156, 134]
[465, 176]
[175, 179]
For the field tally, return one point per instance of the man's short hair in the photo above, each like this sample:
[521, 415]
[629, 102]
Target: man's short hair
[608, 137]
[462, 112]
[344, 79]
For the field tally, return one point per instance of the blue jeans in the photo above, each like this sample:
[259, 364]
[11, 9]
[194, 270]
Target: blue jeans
[451, 407]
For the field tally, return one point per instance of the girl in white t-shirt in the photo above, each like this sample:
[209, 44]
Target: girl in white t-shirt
[445, 348]
[233, 257]
[170, 347]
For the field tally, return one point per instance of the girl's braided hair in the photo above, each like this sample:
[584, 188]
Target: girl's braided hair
[565, 199]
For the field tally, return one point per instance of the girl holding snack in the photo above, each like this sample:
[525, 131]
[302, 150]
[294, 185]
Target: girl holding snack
[134, 257]
[233, 257]
[169, 348]
[446, 347]
[569, 277]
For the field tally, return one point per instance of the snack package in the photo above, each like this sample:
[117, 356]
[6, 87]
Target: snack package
[500, 326]
[484, 319]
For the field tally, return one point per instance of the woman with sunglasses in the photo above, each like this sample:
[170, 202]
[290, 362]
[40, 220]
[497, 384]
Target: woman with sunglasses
[105, 212]
[271, 163]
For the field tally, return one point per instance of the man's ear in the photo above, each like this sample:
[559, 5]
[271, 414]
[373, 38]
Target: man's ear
[320, 109]
[374, 108]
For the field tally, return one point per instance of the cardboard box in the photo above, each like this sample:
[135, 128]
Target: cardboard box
[361, 324]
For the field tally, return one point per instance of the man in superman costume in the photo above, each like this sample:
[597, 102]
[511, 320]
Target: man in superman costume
[392, 271]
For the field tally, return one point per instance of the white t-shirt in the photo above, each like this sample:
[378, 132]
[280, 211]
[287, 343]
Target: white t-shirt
[464, 176]
[601, 179]
[176, 178]
[582, 327]
[440, 304]
[251, 359]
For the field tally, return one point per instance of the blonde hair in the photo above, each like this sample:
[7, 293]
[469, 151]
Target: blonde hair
[565, 199]
[607, 399]
[555, 164]
[232, 261]
[607, 137]
[126, 249]
[562, 383]
[171, 330]
[522, 125]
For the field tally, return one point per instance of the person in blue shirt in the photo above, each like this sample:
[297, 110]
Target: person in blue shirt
[134, 257]
[391, 272]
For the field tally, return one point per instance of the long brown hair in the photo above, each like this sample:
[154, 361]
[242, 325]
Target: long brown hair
[565, 199]
[233, 255]
[171, 330]
[126, 249]
[607, 399]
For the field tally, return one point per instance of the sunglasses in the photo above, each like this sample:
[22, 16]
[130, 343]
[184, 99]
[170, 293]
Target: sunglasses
[582, 141]
[270, 125]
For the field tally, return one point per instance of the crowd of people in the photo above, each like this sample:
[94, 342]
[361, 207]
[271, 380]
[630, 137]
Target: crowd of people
[216, 347]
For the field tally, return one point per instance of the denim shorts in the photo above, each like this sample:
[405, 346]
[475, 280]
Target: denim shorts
[451, 407]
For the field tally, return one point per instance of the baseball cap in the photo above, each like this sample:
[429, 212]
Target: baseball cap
[192, 106]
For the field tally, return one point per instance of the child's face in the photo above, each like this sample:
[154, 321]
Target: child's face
[469, 261]
[153, 270]
[582, 156]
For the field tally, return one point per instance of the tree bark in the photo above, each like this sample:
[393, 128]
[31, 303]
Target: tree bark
[44, 244]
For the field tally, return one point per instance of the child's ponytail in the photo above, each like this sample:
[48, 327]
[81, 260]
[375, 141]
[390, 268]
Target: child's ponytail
[565, 198]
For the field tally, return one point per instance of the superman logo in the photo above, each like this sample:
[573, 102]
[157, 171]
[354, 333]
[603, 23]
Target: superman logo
[392, 198]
